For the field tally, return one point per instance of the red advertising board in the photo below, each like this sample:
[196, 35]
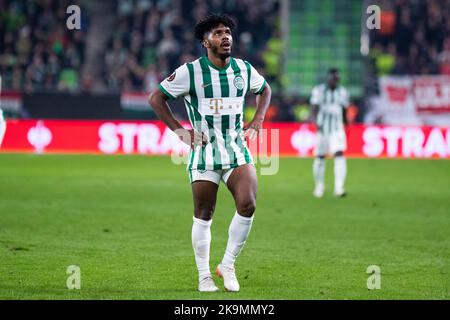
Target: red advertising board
[419, 94]
[432, 94]
[153, 138]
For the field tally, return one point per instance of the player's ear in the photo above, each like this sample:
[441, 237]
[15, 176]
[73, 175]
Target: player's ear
[206, 43]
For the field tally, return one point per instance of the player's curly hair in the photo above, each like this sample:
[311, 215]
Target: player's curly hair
[212, 21]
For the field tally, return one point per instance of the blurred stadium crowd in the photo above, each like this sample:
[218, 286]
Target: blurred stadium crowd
[152, 37]
[414, 38]
[149, 39]
[155, 37]
[131, 45]
[37, 52]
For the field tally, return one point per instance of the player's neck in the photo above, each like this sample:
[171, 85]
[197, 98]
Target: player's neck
[332, 87]
[217, 61]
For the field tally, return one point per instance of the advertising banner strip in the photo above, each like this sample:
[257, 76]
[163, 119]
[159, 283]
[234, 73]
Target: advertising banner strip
[279, 139]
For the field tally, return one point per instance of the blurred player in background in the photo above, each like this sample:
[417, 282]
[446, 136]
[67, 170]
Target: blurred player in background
[213, 88]
[330, 101]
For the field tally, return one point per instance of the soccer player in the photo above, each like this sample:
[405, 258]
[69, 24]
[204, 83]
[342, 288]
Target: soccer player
[330, 102]
[213, 88]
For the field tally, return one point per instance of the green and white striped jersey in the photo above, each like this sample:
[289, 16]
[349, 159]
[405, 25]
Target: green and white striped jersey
[215, 100]
[330, 102]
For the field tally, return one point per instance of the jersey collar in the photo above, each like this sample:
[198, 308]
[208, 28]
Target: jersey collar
[329, 88]
[205, 57]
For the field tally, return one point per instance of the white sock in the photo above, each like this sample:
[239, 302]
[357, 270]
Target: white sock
[201, 240]
[340, 172]
[237, 235]
[319, 170]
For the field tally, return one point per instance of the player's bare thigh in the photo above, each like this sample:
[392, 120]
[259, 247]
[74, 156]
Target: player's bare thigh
[205, 196]
[243, 184]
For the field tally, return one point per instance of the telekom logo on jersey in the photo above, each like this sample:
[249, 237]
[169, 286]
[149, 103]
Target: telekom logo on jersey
[221, 106]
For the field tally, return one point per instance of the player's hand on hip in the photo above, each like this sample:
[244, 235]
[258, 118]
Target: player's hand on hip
[253, 128]
[192, 137]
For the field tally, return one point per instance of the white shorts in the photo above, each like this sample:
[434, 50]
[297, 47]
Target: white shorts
[210, 175]
[330, 143]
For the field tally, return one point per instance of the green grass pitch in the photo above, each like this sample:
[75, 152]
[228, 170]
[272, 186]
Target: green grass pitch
[126, 222]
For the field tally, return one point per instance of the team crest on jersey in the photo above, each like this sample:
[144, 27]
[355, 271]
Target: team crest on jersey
[171, 77]
[238, 82]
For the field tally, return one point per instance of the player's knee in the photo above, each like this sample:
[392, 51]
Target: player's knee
[247, 208]
[204, 212]
[320, 157]
[339, 154]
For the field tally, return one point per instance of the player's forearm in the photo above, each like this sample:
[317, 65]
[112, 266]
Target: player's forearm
[159, 104]
[262, 102]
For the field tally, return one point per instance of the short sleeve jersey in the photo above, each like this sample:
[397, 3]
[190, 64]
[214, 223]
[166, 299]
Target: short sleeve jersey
[215, 100]
[330, 103]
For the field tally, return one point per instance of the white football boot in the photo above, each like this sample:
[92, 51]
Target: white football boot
[229, 278]
[319, 190]
[207, 285]
[339, 192]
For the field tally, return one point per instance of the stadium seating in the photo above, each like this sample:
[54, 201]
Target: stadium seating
[323, 34]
